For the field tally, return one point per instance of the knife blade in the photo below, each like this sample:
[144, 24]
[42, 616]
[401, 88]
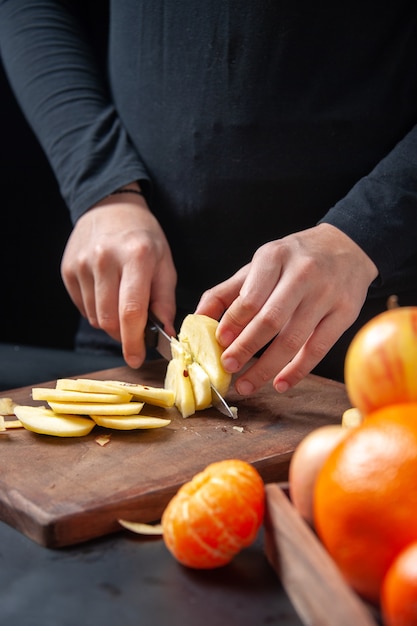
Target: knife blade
[157, 338]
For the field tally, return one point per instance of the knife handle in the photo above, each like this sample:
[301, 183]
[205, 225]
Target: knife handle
[151, 331]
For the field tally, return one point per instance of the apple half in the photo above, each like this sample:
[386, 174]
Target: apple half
[196, 365]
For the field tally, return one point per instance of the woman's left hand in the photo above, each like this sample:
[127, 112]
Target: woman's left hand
[299, 294]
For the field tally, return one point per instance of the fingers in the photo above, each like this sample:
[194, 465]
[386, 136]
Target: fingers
[162, 298]
[311, 353]
[93, 284]
[101, 290]
[133, 307]
[216, 300]
[74, 290]
[286, 342]
[267, 300]
[254, 300]
[114, 274]
[297, 296]
[294, 353]
[79, 283]
[138, 293]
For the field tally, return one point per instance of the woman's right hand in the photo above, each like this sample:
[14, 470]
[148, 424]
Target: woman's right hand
[117, 264]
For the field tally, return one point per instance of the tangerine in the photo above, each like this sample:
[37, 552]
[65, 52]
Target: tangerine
[215, 515]
[365, 497]
[399, 590]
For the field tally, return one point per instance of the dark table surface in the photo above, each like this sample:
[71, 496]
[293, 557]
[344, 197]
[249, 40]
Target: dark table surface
[127, 581]
[123, 579]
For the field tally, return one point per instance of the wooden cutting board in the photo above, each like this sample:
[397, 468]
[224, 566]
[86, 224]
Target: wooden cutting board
[63, 491]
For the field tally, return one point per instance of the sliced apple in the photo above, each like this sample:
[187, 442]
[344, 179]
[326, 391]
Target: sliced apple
[64, 395]
[11, 424]
[198, 335]
[158, 396]
[46, 422]
[181, 351]
[177, 378]
[140, 528]
[7, 406]
[352, 417]
[200, 383]
[93, 386]
[130, 422]
[78, 408]
[196, 365]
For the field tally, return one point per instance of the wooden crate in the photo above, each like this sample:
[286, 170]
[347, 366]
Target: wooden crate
[310, 577]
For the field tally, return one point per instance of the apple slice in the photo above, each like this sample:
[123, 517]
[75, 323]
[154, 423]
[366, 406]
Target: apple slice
[158, 396]
[64, 395]
[181, 351]
[196, 365]
[7, 406]
[200, 383]
[178, 379]
[352, 417]
[87, 408]
[198, 335]
[130, 422]
[46, 422]
[93, 386]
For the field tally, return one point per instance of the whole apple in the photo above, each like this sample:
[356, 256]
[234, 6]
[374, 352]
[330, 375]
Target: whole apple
[306, 463]
[381, 361]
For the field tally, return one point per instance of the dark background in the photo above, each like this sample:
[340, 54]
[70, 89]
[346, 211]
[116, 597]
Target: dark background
[34, 306]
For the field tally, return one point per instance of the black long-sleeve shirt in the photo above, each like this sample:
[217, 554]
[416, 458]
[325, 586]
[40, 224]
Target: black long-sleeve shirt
[248, 120]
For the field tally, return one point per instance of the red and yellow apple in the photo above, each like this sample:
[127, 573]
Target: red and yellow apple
[381, 361]
[306, 463]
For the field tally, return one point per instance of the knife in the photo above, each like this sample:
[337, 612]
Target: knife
[156, 337]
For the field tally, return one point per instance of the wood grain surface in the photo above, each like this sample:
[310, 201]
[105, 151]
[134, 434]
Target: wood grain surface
[310, 577]
[63, 491]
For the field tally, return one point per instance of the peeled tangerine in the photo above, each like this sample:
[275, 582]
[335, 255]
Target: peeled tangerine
[215, 515]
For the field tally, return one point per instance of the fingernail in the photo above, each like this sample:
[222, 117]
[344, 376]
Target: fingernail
[226, 338]
[245, 387]
[281, 386]
[230, 365]
[133, 361]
